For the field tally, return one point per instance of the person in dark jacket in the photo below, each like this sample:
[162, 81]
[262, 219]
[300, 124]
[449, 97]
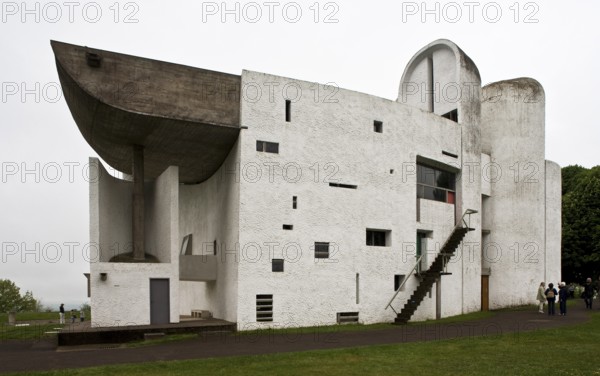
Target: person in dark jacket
[61, 313]
[563, 295]
[588, 293]
[551, 294]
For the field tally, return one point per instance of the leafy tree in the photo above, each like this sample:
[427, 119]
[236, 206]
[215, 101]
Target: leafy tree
[581, 223]
[11, 299]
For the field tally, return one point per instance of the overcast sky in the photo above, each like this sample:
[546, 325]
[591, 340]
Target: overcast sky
[358, 45]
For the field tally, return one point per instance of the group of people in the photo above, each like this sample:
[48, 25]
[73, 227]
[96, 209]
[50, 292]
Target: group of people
[548, 296]
[61, 313]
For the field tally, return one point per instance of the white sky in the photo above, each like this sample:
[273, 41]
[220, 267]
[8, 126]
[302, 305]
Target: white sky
[366, 50]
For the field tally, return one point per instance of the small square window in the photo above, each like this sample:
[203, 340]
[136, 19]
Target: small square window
[277, 265]
[321, 250]
[288, 227]
[378, 126]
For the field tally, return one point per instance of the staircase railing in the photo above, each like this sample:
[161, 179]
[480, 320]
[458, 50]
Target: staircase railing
[389, 305]
[462, 223]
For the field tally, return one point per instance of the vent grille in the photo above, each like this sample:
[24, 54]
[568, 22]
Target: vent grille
[264, 307]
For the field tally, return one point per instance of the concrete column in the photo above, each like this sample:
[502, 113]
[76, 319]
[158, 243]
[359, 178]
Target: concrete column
[138, 203]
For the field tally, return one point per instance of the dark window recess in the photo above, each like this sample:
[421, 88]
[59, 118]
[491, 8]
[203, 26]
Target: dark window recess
[288, 111]
[186, 245]
[398, 279]
[339, 185]
[376, 238]
[452, 115]
[378, 126]
[267, 147]
[391, 171]
[288, 227]
[321, 250]
[449, 154]
[435, 184]
[347, 317]
[93, 60]
[264, 307]
[215, 247]
[295, 202]
[277, 265]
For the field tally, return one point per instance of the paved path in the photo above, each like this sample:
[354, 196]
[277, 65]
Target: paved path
[44, 355]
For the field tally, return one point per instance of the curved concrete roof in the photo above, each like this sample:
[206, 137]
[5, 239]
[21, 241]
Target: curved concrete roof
[182, 116]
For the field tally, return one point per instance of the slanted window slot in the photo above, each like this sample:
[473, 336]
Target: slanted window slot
[339, 185]
[452, 115]
[288, 111]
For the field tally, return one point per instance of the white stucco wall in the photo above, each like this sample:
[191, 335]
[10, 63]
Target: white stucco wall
[513, 130]
[110, 212]
[162, 216]
[210, 211]
[337, 140]
[124, 297]
[553, 222]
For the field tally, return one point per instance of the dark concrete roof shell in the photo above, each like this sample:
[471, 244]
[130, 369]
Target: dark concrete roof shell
[183, 116]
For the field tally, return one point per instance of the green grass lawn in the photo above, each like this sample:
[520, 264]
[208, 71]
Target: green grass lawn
[29, 316]
[33, 331]
[550, 351]
[359, 327]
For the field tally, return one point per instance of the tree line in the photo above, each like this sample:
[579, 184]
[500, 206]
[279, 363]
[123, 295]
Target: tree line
[580, 223]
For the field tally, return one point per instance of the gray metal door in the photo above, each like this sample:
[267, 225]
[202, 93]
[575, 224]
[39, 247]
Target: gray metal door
[159, 301]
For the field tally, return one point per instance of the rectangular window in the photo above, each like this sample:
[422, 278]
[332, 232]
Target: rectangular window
[398, 279]
[277, 265]
[264, 307]
[378, 238]
[435, 184]
[295, 202]
[267, 147]
[378, 126]
[288, 227]
[340, 185]
[288, 111]
[321, 250]
[215, 247]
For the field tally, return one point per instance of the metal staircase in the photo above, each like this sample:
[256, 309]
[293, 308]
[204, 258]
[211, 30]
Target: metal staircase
[430, 276]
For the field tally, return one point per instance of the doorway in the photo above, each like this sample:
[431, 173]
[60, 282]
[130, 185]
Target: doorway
[485, 292]
[159, 301]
